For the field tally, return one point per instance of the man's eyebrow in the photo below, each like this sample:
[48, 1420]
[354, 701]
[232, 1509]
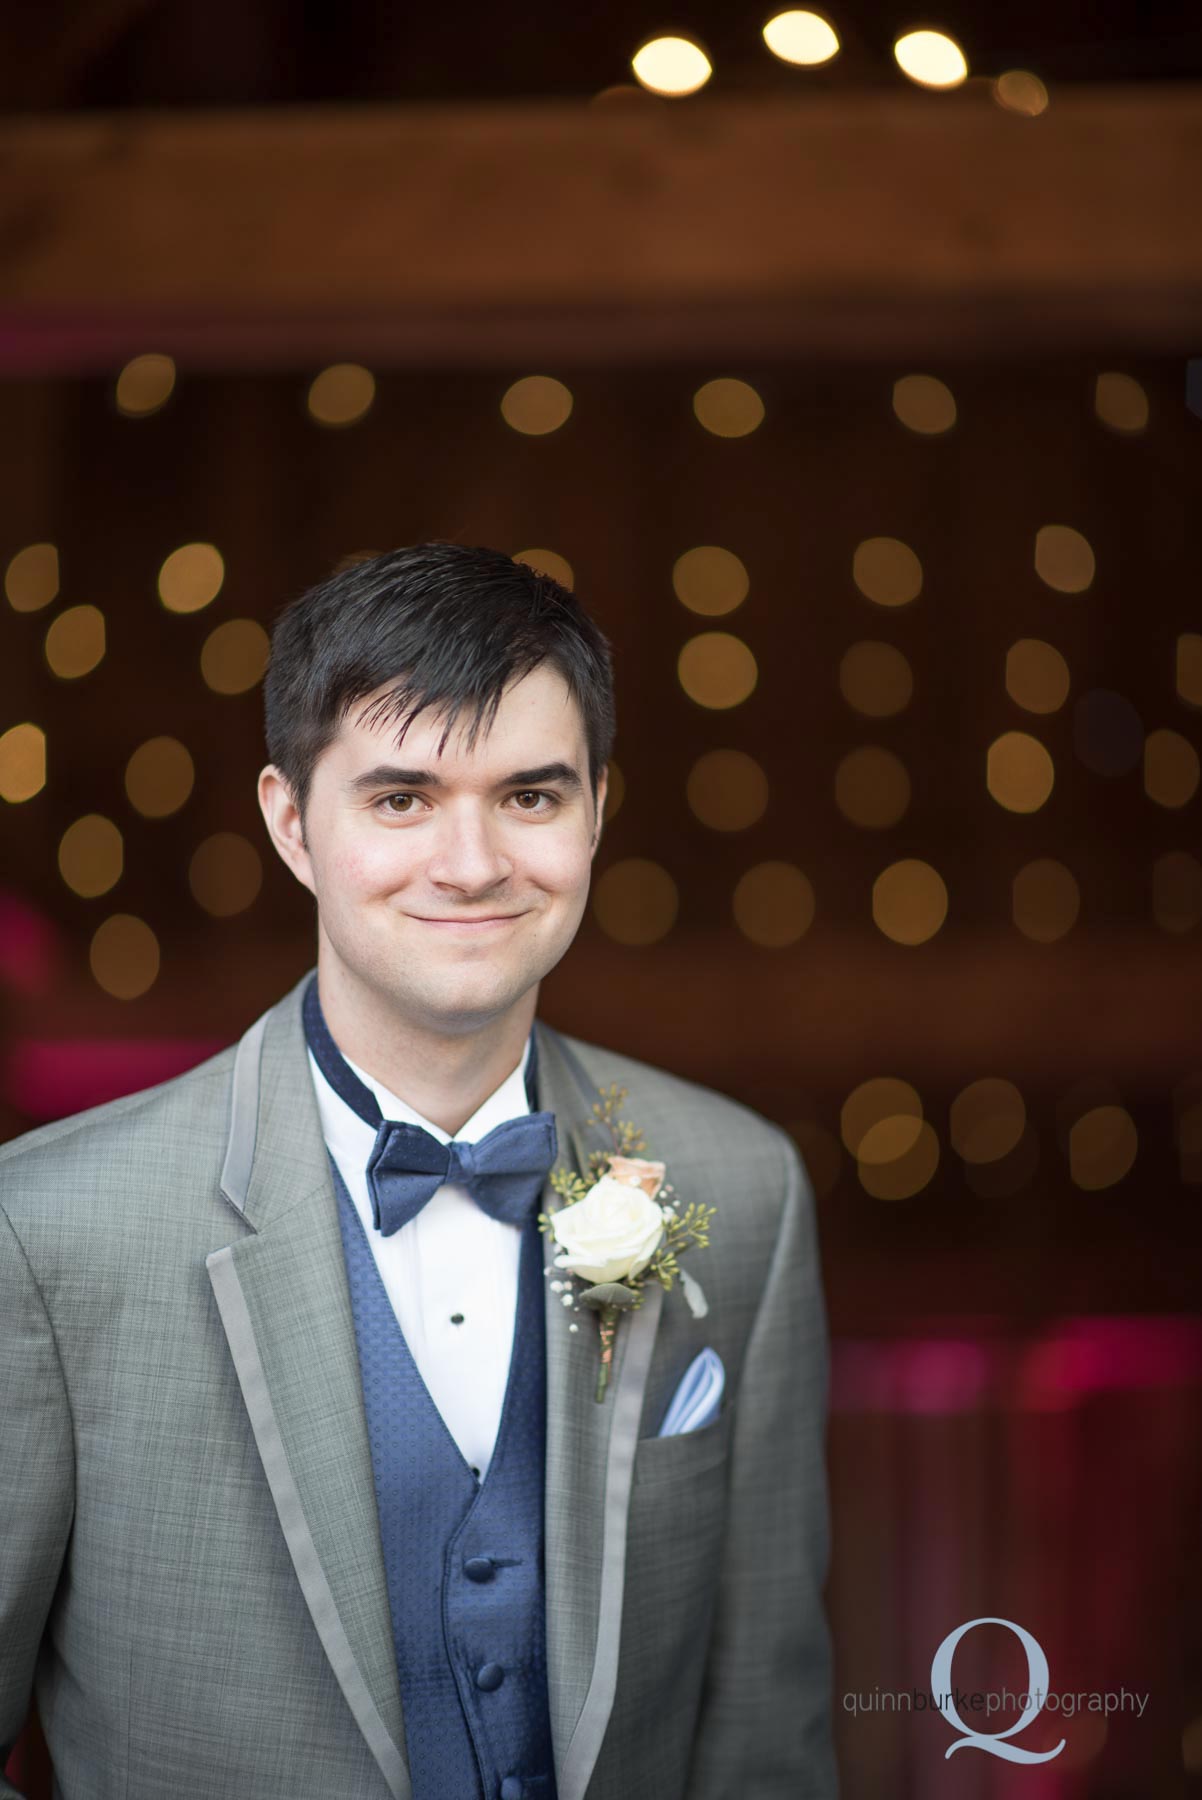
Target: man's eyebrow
[388, 775]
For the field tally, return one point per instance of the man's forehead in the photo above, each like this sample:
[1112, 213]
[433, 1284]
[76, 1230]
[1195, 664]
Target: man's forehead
[536, 722]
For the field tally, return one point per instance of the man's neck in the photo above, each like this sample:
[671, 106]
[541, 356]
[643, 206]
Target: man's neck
[445, 1079]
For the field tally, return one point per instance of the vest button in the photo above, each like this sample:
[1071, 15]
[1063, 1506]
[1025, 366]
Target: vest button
[489, 1676]
[479, 1568]
[511, 1788]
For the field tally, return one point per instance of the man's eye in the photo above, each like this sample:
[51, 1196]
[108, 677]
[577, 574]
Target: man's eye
[389, 801]
[536, 794]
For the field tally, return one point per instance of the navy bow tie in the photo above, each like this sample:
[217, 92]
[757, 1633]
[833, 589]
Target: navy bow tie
[504, 1171]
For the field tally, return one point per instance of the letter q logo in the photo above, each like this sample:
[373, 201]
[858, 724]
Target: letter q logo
[992, 1741]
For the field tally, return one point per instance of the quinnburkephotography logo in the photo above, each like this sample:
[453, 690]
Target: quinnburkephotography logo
[950, 1701]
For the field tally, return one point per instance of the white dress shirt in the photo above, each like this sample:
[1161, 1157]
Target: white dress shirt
[451, 1273]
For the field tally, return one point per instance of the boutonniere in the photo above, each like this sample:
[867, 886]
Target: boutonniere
[614, 1232]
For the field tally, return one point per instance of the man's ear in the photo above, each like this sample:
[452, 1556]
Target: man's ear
[284, 824]
[602, 791]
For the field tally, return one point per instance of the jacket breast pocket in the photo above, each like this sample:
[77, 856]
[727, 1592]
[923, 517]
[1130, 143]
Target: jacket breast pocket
[685, 1455]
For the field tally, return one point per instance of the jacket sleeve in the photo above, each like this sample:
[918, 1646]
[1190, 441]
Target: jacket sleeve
[37, 1482]
[765, 1728]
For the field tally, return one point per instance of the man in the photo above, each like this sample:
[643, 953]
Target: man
[306, 1489]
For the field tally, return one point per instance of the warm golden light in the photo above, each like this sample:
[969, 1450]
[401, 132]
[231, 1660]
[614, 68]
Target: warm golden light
[1170, 768]
[536, 405]
[1064, 559]
[728, 408]
[804, 38]
[124, 955]
[548, 562]
[872, 787]
[341, 395]
[1037, 677]
[906, 1174]
[987, 1120]
[91, 855]
[710, 580]
[615, 790]
[75, 642]
[909, 901]
[191, 577]
[931, 58]
[881, 1100]
[1021, 92]
[876, 679]
[144, 385]
[674, 66]
[727, 790]
[1045, 900]
[1177, 891]
[31, 578]
[22, 763]
[1120, 402]
[1019, 773]
[234, 656]
[773, 905]
[159, 777]
[924, 404]
[716, 670]
[225, 874]
[635, 901]
[887, 571]
[1189, 667]
[1102, 1147]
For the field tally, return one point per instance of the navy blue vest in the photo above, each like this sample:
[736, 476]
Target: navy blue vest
[463, 1558]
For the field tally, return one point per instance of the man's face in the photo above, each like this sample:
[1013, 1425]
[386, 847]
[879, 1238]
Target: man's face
[448, 885]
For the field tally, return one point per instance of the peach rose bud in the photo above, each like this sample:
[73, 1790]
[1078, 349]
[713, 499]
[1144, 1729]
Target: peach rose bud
[636, 1171]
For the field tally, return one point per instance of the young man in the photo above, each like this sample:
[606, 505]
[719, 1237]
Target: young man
[306, 1489]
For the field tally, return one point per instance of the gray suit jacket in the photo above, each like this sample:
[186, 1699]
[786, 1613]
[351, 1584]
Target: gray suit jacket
[191, 1578]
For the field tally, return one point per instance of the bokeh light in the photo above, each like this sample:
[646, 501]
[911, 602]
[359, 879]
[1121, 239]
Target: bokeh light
[716, 670]
[124, 956]
[728, 408]
[876, 679]
[144, 385]
[887, 571]
[91, 855]
[1102, 1147]
[987, 1120]
[931, 58]
[900, 1176]
[549, 562]
[635, 901]
[22, 763]
[1019, 773]
[341, 395]
[1045, 900]
[536, 405]
[804, 38]
[1170, 768]
[1019, 91]
[872, 787]
[710, 580]
[75, 642]
[159, 777]
[615, 790]
[673, 66]
[727, 790]
[773, 905]
[234, 656]
[1064, 559]
[909, 901]
[1037, 676]
[1120, 402]
[31, 579]
[225, 874]
[924, 404]
[191, 577]
[882, 1101]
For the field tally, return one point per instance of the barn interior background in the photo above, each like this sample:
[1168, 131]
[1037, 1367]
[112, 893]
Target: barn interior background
[857, 406]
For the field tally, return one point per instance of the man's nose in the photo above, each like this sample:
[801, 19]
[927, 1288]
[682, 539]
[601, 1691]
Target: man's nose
[469, 852]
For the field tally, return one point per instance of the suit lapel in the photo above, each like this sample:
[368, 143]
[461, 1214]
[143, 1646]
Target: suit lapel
[282, 1294]
[590, 1465]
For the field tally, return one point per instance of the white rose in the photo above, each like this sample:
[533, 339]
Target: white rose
[610, 1234]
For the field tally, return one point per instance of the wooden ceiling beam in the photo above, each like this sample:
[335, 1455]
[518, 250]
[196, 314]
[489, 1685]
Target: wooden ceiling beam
[849, 227]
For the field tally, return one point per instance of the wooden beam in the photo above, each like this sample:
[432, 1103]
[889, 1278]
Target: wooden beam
[848, 227]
